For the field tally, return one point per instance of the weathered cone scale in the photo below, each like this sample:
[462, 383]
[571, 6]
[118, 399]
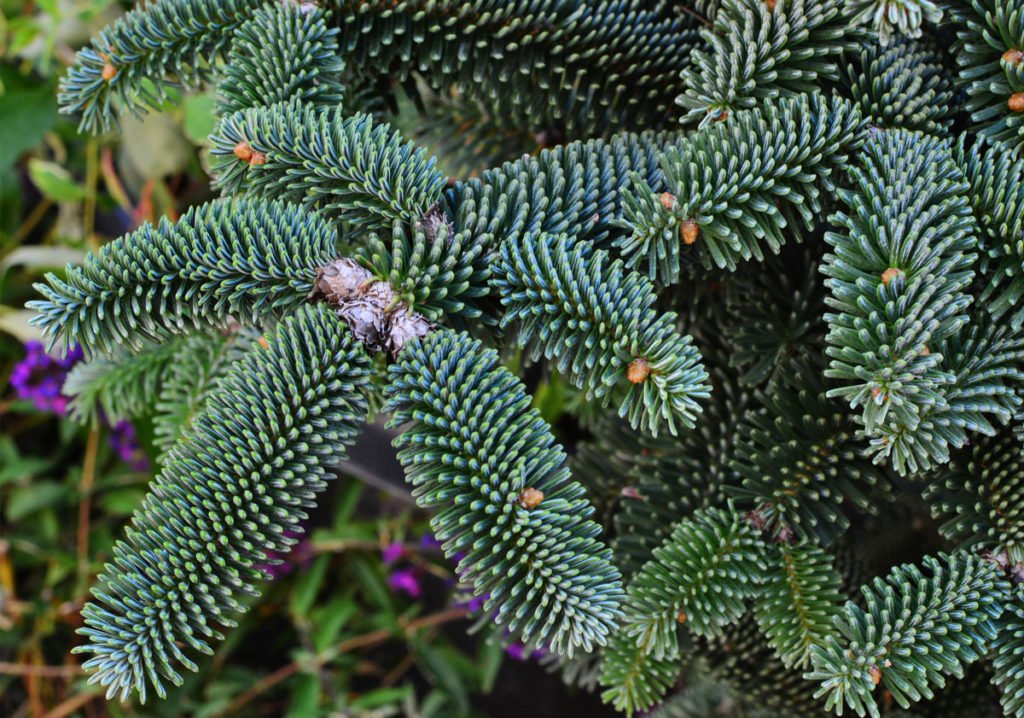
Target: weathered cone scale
[371, 308]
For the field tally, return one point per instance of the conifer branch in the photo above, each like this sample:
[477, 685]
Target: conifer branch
[759, 50]
[352, 170]
[897, 292]
[286, 50]
[128, 65]
[916, 629]
[489, 466]
[701, 577]
[224, 501]
[248, 260]
[598, 322]
[718, 212]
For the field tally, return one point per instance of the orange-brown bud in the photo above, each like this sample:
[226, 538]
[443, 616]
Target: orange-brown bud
[689, 230]
[1016, 102]
[890, 274]
[667, 199]
[638, 370]
[530, 498]
[243, 151]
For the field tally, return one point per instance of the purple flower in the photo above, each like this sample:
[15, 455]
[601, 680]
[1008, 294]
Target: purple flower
[278, 564]
[405, 579]
[124, 441]
[518, 651]
[392, 552]
[429, 543]
[39, 377]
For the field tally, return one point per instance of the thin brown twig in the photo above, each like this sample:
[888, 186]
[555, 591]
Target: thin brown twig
[367, 639]
[42, 671]
[72, 704]
[85, 505]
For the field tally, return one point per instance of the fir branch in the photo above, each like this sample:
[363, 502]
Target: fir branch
[490, 467]
[574, 189]
[284, 51]
[199, 364]
[890, 18]
[588, 68]
[763, 686]
[774, 315]
[917, 628]
[986, 362]
[671, 478]
[247, 260]
[598, 322]
[759, 50]
[1008, 655]
[121, 386]
[348, 168]
[634, 679]
[800, 461]
[437, 271]
[981, 494]
[721, 210]
[128, 65]
[905, 85]
[898, 278]
[800, 598]
[990, 40]
[996, 178]
[255, 459]
[701, 576]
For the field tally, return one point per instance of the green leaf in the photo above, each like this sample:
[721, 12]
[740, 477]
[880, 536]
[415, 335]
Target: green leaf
[29, 111]
[438, 663]
[26, 500]
[308, 586]
[199, 118]
[54, 181]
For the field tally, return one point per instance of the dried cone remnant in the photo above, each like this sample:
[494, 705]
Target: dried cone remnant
[1013, 56]
[890, 274]
[371, 308]
[1016, 102]
[530, 498]
[667, 199]
[689, 230]
[638, 370]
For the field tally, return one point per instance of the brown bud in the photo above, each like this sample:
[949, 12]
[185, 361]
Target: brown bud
[689, 230]
[876, 675]
[770, 4]
[530, 498]
[243, 151]
[1013, 56]
[1016, 102]
[723, 117]
[638, 370]
[630, 492]
[667, 199]
[925, 351]
[681, 618]
[258, 158]
[262, 341]
[890, 274]
[109, 71]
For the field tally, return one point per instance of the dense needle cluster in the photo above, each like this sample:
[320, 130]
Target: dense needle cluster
[770, 251]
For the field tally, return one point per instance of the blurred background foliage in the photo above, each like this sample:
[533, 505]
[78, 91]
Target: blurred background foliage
[364, 618]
